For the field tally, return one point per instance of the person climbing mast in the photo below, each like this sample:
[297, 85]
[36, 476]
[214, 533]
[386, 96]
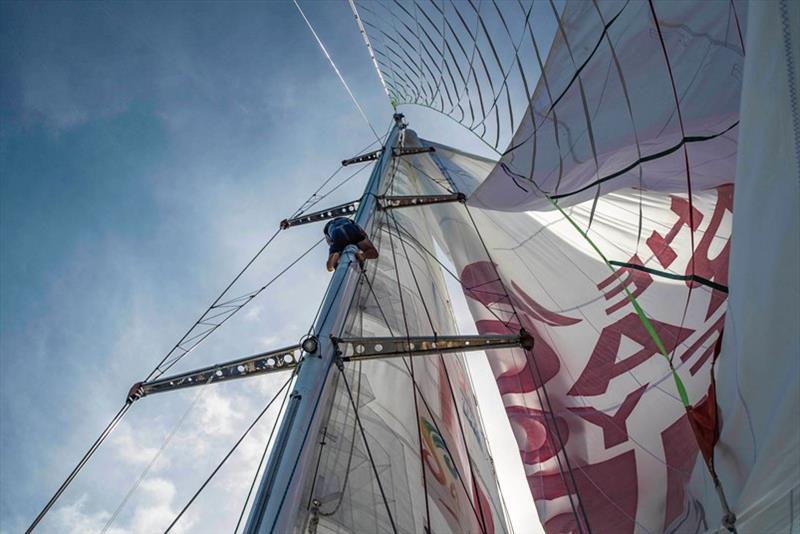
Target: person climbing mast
[341, 232]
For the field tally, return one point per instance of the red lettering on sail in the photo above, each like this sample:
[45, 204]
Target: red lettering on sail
[697, 345]
[527, 306]
[626, 276]
[660, 245]
[603, 365]
[680, 452]
[615, 430]
[480, 282]
[521, 373]
[715, 269]
[536, 434]
[608, 492]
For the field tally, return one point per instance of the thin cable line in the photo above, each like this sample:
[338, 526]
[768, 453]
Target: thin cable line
[156, 372]
[261, 461]
[155, 458]
[254, 294]
[103, 435]
[369, 451]
[230, 452]
[336, 69]
[369, 49]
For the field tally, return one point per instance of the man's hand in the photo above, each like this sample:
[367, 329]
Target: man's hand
[333, 261]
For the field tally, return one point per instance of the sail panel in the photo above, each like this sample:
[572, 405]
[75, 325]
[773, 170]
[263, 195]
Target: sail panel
[620, 98]
[602, 432]
[757, 383]
[415, 458]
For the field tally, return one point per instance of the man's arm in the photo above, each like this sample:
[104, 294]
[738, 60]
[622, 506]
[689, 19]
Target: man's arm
[369, 250]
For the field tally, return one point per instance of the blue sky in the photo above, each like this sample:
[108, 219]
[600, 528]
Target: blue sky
[146, 151]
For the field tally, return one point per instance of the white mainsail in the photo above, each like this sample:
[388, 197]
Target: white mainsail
[422, 462]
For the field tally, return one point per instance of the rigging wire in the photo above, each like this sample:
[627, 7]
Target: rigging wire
[263, 457]
[251, 296]
[100, 439]
[157, 371]
[230, 452]
[315, 198]
[366, 445]
[233, 305]
[370, 50]
[425, 403]
[336, 69]
[155, 458]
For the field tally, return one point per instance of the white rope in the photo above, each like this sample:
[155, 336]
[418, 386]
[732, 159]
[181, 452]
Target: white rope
[155, 458]
[336, 69]
[371, 52]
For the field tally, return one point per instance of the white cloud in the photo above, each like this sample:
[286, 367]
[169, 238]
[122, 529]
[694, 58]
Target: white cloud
[217, 414]
[253, 312]
[74, 517]
[156, 509]
[129, 447]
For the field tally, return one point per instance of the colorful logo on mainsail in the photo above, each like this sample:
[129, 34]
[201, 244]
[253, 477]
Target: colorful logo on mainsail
[439, 455]
[440, 464]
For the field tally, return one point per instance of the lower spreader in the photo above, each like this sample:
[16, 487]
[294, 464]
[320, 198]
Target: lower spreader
[348, 349]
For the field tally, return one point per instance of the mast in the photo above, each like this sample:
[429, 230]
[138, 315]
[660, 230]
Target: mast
[278, 501]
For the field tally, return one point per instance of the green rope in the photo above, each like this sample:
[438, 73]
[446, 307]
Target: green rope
[639, 311]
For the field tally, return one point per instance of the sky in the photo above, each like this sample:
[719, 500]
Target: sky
[146, 152]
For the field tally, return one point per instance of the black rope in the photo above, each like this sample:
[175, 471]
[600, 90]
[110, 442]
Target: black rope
[366, 445]
[427, 406]
[250, 296]
[97, 442]
[411, 369]
[261, 461]
[349, 455]
[417, 245]
[228, 455]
